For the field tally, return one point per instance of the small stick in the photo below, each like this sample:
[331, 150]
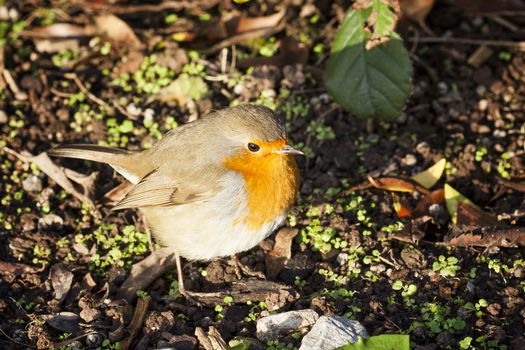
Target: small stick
[467, 41]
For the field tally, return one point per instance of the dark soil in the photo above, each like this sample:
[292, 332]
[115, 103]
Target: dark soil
[473, 116]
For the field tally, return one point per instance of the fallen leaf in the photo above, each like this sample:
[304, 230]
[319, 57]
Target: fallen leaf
[453, 198]
[58, 31]
[397, 184]
[465, 236]
[402, 208]
[16, 269]
[518, 186]
[53, 45]
[46, 165]
[417, 11]
[238, 29]
[193, 6]
[473, 216]
[281, 252]
[429, 177]
[118, 31]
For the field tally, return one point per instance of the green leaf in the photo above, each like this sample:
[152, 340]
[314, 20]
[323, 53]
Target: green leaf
[453, 198]
[397, 285]
[368, 83]
[385, 20]
[380, 342]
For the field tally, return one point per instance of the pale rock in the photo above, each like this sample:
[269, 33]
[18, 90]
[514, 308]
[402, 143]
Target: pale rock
[273, 326]
[329, 333]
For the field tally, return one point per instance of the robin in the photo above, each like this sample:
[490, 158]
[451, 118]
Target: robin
[211, 188]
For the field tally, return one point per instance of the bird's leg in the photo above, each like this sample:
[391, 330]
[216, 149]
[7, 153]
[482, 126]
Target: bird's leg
[240, 267]
[192, 296]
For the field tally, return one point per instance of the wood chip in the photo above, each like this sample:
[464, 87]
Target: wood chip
[211, 340]
[480, 56]
[136, 322]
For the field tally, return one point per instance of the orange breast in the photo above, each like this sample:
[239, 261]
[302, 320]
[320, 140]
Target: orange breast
[272, 181]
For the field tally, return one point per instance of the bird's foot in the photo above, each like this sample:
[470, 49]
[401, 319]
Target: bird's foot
[240, 269]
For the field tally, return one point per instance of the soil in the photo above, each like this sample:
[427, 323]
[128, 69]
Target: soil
[472, 116]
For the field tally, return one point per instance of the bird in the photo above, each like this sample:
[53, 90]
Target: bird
[211, 188]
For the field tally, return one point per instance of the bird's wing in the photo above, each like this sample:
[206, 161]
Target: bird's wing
[160, 189]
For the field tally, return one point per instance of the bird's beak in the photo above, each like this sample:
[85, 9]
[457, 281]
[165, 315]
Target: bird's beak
[287, 149]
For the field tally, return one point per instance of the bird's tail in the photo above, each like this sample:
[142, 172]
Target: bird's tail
[121, 160]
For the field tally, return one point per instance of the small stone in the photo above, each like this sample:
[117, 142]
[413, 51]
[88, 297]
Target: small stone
[90, 314]
[481, 90]
[342, 258]
[61, 279]
[483, 104]
[442, 88]
[409, 160]
[94, 340]
[332, 332]
[402, 118]
[500, 134]
[438, 213]
[483, 129]
[3, 117]
[32, 184]
[65, 322]
[273, 326]
[423, 148]
[28, 221]
[50, 221]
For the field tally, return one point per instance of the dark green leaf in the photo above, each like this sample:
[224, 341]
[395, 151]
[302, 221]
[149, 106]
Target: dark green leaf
[368, 83]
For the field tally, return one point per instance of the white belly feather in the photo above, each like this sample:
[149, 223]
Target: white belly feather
[203, 231]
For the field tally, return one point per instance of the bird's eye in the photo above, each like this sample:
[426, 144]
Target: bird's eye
[253, 147]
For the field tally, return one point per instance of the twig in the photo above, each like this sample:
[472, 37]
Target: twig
[83, 88]
[467, 41]
[60, 93]
[504, 23]
[16, 341]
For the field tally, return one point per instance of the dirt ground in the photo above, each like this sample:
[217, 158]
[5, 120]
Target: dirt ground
[59, 256]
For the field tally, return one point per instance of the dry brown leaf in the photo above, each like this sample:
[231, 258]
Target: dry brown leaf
[518, 186]
[397, 185]
[465, 236]
[46, 165]
[194, 6]
[118, 31]
[472, 216]
[58, 31]
[281, 252]
[417, 11]
[16, 269]
[402, 208]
